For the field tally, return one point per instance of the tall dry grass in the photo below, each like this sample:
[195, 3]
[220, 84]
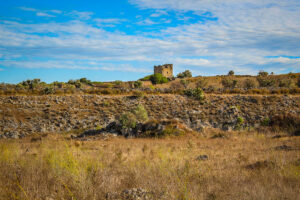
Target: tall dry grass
[240, 166]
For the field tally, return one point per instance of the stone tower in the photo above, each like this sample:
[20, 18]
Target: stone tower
[166, 70]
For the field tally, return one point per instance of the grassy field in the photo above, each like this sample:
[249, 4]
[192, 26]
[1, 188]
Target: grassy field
[238, 166]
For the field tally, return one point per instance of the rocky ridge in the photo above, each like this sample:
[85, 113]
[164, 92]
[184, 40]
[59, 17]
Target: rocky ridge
[24, 115]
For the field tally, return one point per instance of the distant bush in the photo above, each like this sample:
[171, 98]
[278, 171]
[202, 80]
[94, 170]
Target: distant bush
[85, 81]
[249, 83]
[48, 90]
[31, 84]
[137, 115]
[138, 94]
[263, 73]
[141, 113]
[201, 83]
[128, 120]
[265, 81]
[158, 79]
[285, 83]
[231, 73]
[184, 82]
[298, 81]
[195, 93]
[229, 83]
[138, 84]
[118, 82]
[146, 78]
[266, 121]
[185, 74]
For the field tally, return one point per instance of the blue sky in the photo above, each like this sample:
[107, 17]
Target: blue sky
[123, 39]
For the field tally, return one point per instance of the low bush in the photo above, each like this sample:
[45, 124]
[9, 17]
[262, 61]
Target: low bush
[158, 79]
[249, 83]
[229, 83]
[185, 74]
[138, 84]
[195, 93]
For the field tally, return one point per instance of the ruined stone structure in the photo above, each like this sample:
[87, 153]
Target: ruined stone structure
[166, 70]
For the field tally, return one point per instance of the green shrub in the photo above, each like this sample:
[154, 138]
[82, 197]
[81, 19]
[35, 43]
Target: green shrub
[201, 83]
[85, 81]
[138, 84]
[229, 83]
[184, 82]
[231, 73]
[249, 83]
[118, 83]
[240, 120]
[265, 81]
[128, 120]
[285, 83]
[146, 78]
[138, 94]
[263, 73]
[266, 121]
[185, 74]
[141, 113]
[195, 93]
[158, 79]
[48, 90]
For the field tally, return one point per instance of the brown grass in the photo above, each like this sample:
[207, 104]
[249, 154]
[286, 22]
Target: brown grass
[239, 166]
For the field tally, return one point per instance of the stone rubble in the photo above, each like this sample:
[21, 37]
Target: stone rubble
[24, 115]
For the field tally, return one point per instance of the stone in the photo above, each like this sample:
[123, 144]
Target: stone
[202, 157]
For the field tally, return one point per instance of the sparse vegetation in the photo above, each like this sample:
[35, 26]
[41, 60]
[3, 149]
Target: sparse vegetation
[185, 74]
[137, 115]
[195, 93]
[238, 167]
[231, 73]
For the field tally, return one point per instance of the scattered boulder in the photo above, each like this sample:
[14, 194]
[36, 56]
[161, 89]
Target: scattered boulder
[202, 157]
[260, 165]
[131, 194]
[284, 148]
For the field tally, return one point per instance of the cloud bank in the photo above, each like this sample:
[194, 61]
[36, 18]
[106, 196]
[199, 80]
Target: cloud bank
[246, 36]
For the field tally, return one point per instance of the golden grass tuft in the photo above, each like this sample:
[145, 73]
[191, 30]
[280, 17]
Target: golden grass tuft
[240, 166]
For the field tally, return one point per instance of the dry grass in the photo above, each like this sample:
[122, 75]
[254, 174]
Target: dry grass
[53, 167]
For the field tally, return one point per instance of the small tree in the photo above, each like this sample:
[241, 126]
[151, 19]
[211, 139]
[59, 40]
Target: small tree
[231, 73]
[137, 115]
[141, 113]
[138, 84]
[128, 120]
[158, 79]
[195, 93]
[185, 74]
[263, 73]
[249, 83]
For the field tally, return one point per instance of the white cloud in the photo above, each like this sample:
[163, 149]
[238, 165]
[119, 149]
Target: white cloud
[28, 9]
[61, 64]
[43, 14]
[244, 38]
[159, 13]
[81, 15]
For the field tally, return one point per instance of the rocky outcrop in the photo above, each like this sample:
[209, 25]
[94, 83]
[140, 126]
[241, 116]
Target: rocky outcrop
[23, 115]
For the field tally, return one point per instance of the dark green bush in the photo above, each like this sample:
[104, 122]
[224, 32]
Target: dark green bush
[195, 93]
[185, 74]
[263, 73]
[231, 73]
[138, 84]
[137, 115]
[158, 79]
[249, 83]
[229, 83]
